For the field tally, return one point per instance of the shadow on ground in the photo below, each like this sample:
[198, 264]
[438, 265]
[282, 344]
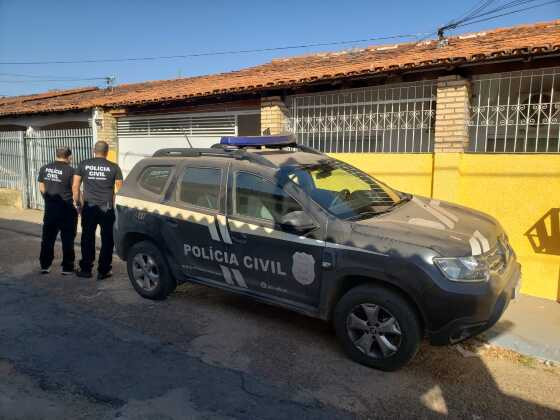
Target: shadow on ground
[210, 353]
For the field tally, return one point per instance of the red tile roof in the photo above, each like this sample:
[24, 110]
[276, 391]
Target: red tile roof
[539, 38]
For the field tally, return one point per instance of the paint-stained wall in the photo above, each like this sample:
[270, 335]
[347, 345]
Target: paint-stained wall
[522, 191]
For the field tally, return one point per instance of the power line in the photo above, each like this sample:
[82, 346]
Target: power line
[34, 76]
[507, 13]
[54, 80]
[215, 53]
[478, 11]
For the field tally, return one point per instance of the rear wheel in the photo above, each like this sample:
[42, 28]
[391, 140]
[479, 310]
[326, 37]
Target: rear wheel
[149, 272]
[377, 327]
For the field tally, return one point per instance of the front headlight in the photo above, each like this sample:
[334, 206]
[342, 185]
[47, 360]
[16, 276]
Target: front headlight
[466, 269]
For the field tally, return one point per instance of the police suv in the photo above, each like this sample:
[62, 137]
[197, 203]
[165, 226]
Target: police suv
[290, 226]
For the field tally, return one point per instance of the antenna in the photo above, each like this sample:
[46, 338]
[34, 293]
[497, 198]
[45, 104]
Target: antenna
[109, 81]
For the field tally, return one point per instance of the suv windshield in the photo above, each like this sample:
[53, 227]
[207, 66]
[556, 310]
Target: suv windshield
[343, 190]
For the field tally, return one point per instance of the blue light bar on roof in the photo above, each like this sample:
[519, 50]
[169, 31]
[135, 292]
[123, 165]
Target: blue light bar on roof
[248, 141]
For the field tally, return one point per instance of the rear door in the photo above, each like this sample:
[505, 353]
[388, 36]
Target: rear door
[270, 261]
[191, 220]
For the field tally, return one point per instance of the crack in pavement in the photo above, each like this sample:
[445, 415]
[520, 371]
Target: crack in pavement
[110, 364]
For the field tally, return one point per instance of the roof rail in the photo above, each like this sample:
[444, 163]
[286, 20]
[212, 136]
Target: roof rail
[227, 152]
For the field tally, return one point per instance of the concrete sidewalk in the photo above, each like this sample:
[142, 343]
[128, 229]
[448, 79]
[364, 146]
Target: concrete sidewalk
[29, 222]
[530, 325]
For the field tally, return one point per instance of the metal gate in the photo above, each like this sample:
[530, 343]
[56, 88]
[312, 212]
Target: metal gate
[22, 155]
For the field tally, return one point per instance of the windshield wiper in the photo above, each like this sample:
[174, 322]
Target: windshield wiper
[370, 213]
[364, 214]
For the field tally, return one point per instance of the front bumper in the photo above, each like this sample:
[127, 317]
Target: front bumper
[463, 328]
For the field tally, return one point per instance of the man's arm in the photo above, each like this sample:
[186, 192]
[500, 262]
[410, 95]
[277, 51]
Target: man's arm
[118, 179]
[76, 182]
[42, 188]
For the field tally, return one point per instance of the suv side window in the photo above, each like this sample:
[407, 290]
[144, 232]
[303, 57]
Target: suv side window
[154, 178]
[257, 198]
[201, 187]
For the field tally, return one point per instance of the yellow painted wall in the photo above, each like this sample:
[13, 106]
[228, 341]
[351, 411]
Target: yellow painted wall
[521, 191]
[112, 155]
[410, 172]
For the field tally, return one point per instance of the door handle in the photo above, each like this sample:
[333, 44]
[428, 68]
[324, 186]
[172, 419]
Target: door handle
[171, 222]
[238, 238]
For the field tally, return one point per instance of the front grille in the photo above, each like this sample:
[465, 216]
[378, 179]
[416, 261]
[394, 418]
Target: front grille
[499, 256]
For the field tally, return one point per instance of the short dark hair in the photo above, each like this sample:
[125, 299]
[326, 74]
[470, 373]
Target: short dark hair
[63, 152]
[101, 147]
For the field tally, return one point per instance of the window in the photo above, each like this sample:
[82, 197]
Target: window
[259, 199]
[394, 118]
[154, 178]
[516, 112]
[201, 187]
[342, 190]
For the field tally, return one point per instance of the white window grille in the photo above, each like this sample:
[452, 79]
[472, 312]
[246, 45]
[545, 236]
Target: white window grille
[177, 125]
[516, 112]
[389, 118]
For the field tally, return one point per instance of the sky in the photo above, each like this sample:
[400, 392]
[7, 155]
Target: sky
[78, 29]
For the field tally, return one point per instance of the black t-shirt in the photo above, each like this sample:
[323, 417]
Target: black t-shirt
[99, 176]
[57, 177]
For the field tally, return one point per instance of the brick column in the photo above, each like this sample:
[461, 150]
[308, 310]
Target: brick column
[105, 128]
[452, 114]
[274, 116]
[451, 135]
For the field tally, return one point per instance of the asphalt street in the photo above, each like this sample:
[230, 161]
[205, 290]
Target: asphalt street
[78, 348]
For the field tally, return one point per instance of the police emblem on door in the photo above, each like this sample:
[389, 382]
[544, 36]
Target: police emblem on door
[303, 268]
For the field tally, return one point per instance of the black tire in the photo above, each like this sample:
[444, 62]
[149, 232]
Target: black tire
[156, 288]
[387, 350]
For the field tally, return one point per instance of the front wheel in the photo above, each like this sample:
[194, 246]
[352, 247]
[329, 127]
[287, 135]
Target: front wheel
[148, 271]
[377, 327]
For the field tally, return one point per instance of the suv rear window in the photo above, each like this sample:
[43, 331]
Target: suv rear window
[201, 187]
[154, 178]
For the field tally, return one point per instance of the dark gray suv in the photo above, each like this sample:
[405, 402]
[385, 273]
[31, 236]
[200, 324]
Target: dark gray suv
[290, 226]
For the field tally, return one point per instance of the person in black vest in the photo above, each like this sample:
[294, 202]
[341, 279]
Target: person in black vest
[101, 178]
[55, 184]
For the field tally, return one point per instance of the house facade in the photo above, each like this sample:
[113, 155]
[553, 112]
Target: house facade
[473, 119]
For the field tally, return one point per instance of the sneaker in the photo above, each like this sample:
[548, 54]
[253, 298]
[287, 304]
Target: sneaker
[67, 272]
[84, 274]
[45, 270]
[104, 276]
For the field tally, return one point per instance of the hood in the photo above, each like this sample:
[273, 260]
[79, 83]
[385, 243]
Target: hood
[449, 229]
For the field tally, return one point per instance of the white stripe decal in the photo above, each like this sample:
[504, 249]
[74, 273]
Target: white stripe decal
[227, 275]
[236, 225]
[239, 277]
[483, 240]
[214, 231]
[222, 223]
[445, 212]
[475, 246]
[164, 210]
[443, 219]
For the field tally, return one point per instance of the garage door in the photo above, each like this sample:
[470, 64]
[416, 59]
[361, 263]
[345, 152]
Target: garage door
[140, 137]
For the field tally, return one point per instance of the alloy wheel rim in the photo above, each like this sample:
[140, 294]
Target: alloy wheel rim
[145, 272]
[374, 330]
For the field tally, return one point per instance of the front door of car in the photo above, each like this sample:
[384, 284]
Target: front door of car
[271, 260]
[191, 222]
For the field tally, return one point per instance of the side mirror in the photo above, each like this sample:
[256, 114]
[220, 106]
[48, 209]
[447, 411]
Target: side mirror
[297, 222]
